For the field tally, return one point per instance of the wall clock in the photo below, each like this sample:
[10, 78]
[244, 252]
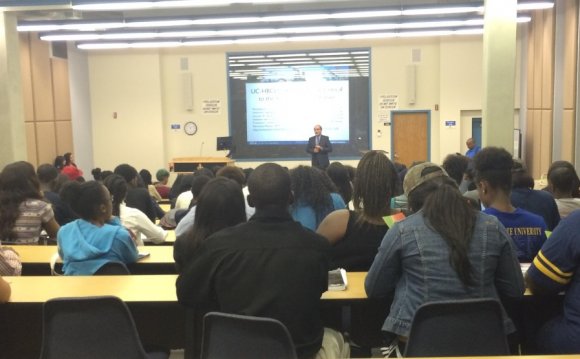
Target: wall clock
[190, 128]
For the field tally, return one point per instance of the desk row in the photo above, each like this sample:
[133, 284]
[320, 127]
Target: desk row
[132, 288]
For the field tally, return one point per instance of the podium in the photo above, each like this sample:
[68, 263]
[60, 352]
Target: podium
[190, 164]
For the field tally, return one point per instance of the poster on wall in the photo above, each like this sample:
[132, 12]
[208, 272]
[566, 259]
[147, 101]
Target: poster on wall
[211, 107]
[387, 103]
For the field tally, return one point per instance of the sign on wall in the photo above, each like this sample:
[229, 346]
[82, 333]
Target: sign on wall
[211, 107]
[387, 103]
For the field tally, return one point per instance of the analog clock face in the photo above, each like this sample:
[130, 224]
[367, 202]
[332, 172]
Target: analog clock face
[190, 128]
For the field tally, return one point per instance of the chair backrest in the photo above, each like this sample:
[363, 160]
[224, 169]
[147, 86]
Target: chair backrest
[457, 328]
[113, 268]
[239, 336]
[91, 327]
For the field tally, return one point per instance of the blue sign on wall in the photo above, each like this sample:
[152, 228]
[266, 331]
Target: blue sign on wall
[450, 123]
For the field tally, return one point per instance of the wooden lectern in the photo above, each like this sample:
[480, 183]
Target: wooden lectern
[190, 164]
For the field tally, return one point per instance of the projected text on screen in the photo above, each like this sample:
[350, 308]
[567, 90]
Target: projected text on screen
[285, 112]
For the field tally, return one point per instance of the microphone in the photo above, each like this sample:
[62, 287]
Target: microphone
[201, 148]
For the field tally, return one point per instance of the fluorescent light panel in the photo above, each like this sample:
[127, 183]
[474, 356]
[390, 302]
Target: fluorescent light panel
[75, 25]
[265, 31]
[92, 46]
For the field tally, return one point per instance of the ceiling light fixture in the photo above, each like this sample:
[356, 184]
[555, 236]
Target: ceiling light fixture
[96, 46]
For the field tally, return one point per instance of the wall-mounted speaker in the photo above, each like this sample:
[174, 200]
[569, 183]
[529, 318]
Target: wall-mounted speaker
[187, 91]
[184, 64]
[416, 56]
[411, 84]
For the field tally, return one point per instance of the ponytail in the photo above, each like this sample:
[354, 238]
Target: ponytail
[118, 187]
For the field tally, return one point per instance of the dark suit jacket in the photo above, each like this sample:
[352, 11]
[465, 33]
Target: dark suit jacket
[319, 159]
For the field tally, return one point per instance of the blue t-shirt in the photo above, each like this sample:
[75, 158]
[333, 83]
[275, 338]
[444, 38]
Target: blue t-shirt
[528, 231]
[557, 268]
[306, 215]
[541, 203]
[472, 152]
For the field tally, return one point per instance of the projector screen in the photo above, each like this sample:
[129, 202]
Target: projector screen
[276, 99]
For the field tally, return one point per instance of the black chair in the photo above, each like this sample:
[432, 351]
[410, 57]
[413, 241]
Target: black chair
[113, 268]
[458, 328]
[238, 336]
[91, 328]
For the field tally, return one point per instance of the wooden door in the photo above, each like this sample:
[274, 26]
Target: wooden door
[410, 137]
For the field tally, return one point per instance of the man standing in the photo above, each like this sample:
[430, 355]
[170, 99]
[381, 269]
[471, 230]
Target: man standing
[473, 148]
[319, 146]
[270, 266]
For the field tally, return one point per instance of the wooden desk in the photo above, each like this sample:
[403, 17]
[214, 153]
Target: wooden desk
[131, 288]
[36, 260]
[170, 239]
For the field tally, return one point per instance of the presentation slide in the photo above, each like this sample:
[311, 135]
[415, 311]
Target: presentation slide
[286, 112]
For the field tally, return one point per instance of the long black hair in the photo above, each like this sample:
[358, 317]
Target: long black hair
[220, 204]
[448, 213]
[18, 182]
[118, 188]
[374, 185]
[338, 173]
[310, 189]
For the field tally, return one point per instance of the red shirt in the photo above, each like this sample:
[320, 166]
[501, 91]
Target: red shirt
[72, 172]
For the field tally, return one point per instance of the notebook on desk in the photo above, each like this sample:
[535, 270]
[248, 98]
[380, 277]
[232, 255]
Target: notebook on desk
[337, 279]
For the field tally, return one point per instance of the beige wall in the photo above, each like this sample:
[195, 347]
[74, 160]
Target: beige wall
[145, 89]
[130, 86]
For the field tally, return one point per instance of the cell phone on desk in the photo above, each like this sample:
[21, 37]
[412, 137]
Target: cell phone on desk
[144, 255]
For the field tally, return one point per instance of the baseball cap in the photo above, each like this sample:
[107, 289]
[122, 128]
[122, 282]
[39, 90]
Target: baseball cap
[421, 173]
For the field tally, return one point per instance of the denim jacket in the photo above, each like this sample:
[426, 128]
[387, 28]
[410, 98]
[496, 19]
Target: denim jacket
[413, 260]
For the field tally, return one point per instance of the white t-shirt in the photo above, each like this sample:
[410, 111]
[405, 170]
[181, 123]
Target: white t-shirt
[141, 225]
[567, 205]
[183, 200]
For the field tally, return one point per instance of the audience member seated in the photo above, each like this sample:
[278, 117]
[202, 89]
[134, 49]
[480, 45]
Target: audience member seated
[185, 224]
[455, 165]
[132, 218]
[220, 204]
[566, 164]
[356, 235]
[23, 212]
[183, 200]
[338, 173]
[88, 243]
[161, 186]
[399, 201]
[468, 253]
[97, 174]
[59, 163]
[70, 168]
[147, 181]
[186, 221]
[562, 182]
[493, 167]
[10, 264]
[48, 175]
[314, 196]
[270, 266]
[237, 174]
[556, 268]
[5, 291]
[137, 197]
[525, 197]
